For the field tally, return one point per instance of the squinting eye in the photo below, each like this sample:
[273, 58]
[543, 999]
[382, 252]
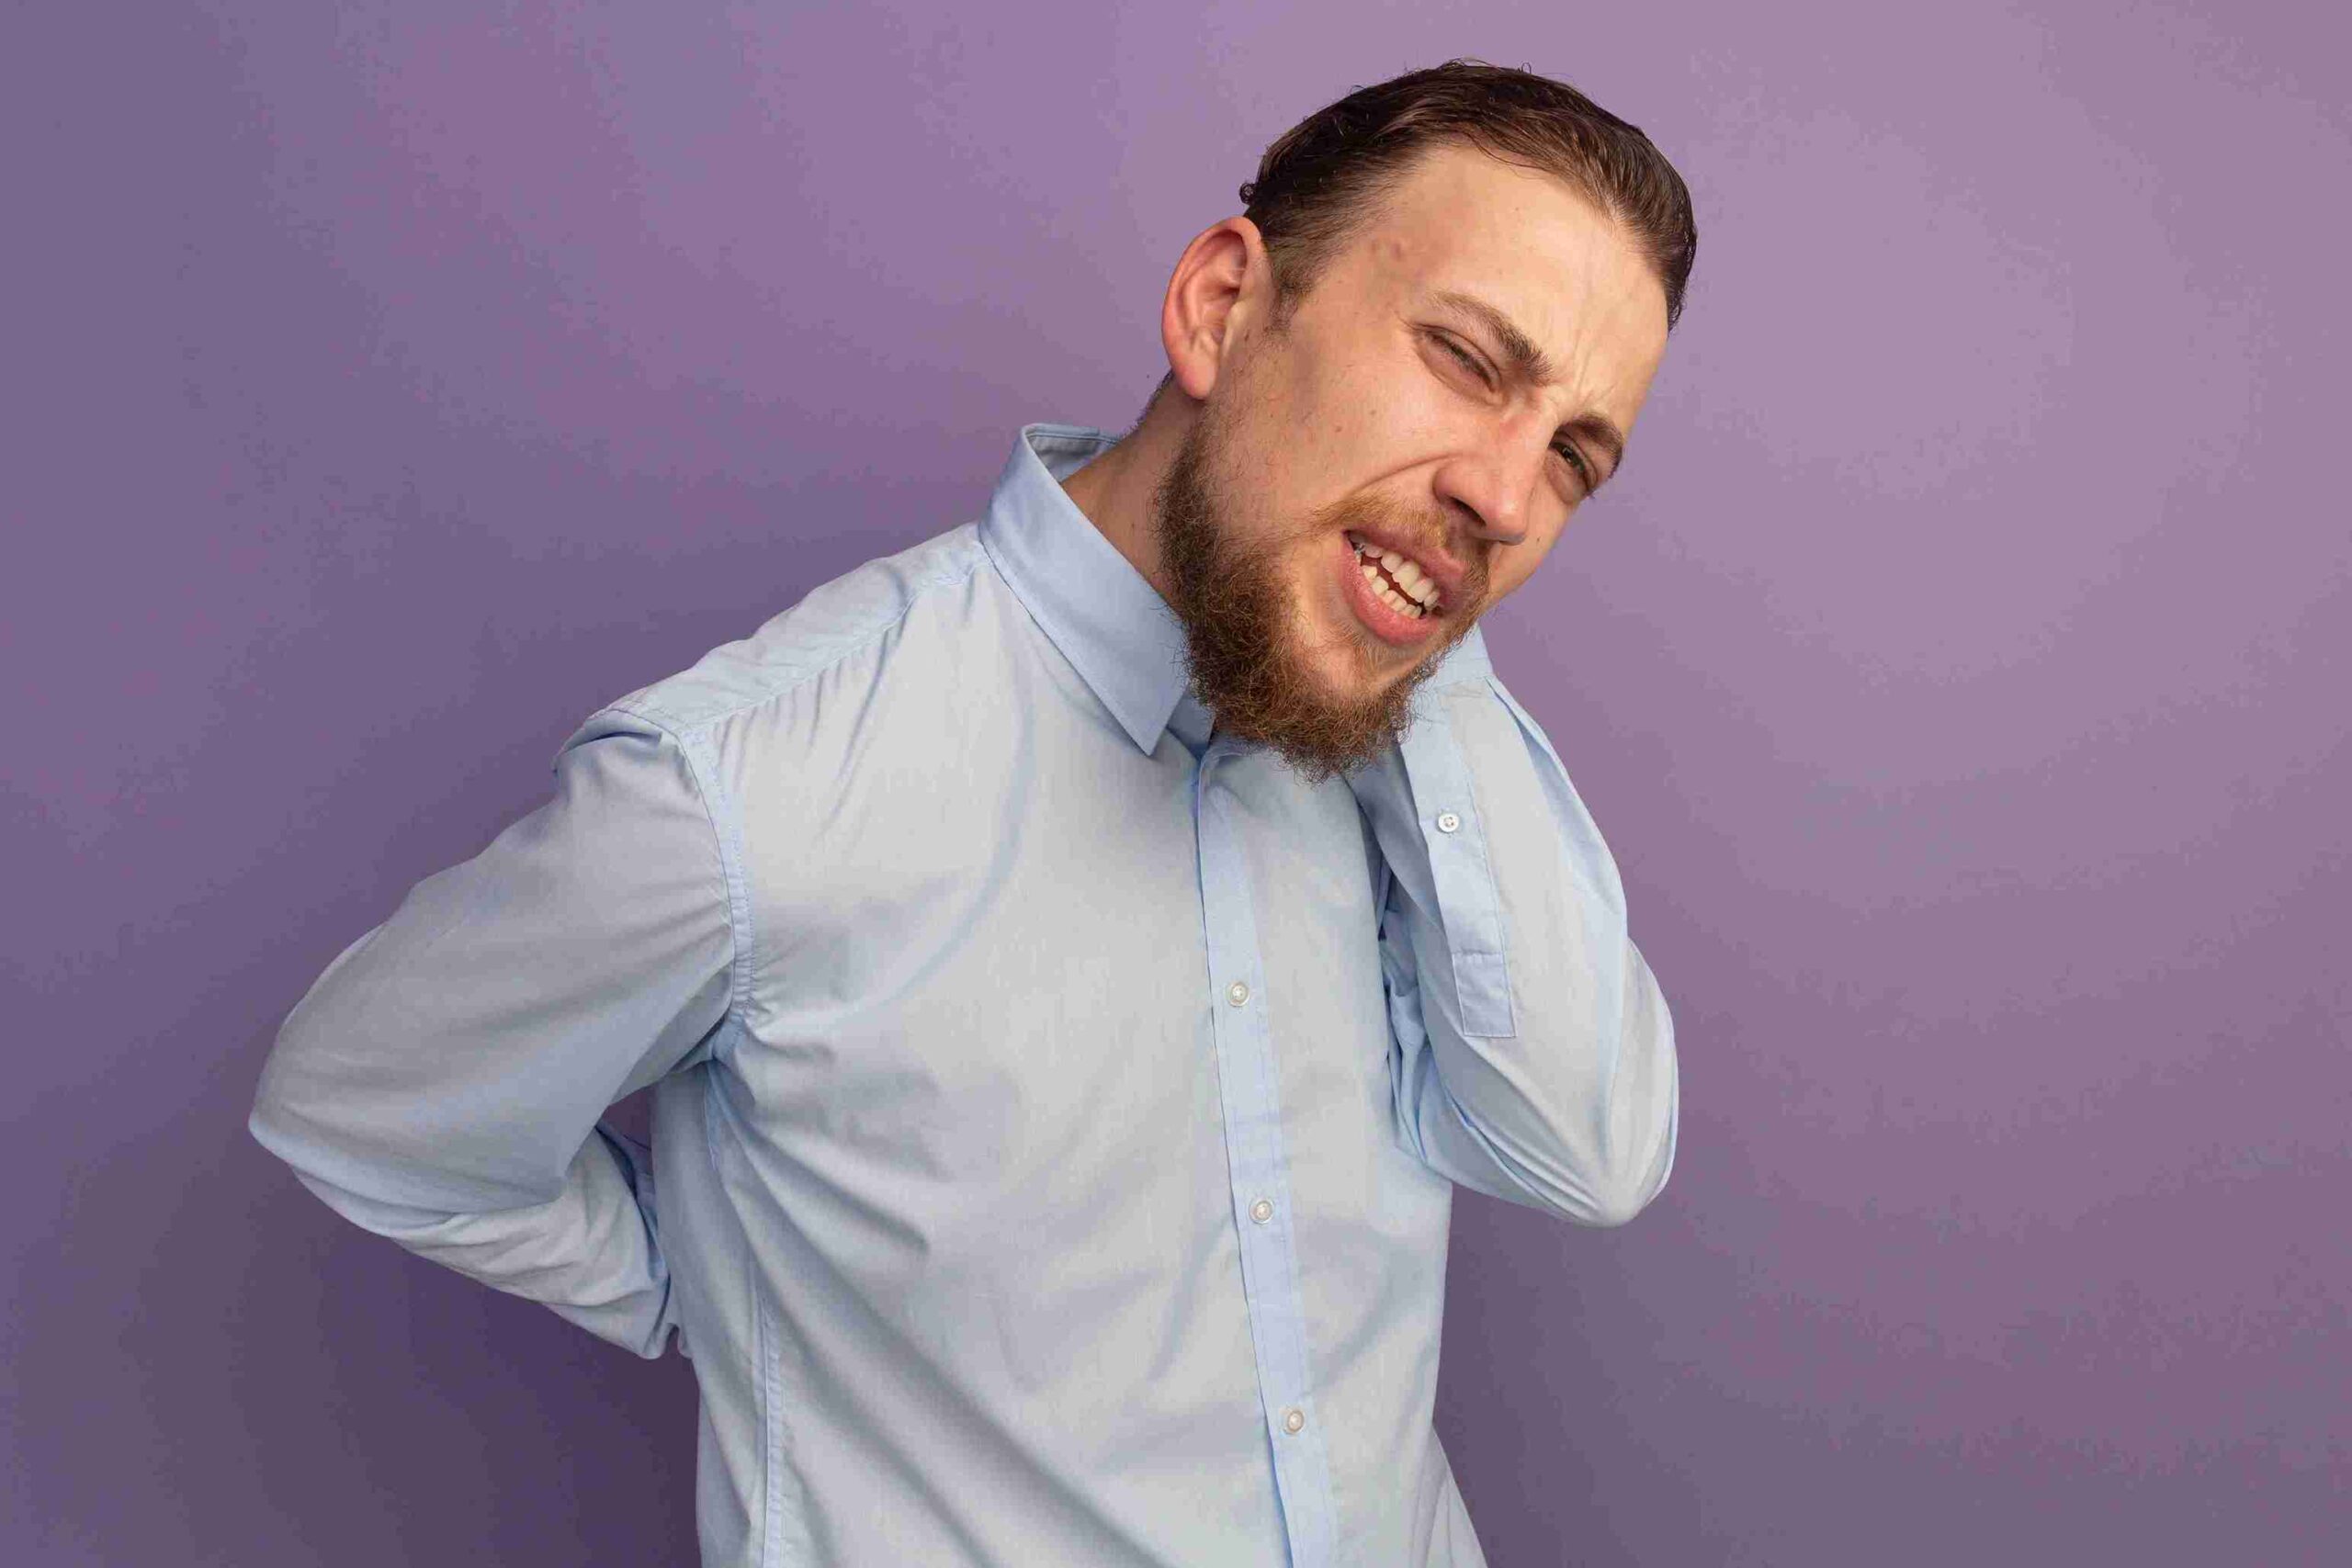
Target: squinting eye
[1460, 353]
[1567, 449]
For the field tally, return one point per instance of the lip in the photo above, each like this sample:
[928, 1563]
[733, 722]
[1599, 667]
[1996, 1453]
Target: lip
[1391, 626]
[1440, 569]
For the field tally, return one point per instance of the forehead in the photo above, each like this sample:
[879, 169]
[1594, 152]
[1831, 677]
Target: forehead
[1525, 242]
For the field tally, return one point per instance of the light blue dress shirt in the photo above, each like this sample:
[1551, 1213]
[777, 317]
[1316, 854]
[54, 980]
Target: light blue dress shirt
[1056, 1105]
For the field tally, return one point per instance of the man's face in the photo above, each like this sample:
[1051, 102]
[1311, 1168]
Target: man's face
[1359, 418]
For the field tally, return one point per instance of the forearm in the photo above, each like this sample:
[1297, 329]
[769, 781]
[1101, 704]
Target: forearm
[1538, 1049]
[591, 1254]
[443, 1083]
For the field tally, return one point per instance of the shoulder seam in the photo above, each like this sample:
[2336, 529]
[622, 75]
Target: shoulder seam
[727, 831]
[694, 744]
[802, 676]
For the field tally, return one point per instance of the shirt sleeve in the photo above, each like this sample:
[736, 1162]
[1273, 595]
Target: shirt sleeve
[442, 1083]
[1532, 1050]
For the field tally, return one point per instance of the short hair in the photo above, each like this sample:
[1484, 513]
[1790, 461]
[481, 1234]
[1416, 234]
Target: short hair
[1320, 182]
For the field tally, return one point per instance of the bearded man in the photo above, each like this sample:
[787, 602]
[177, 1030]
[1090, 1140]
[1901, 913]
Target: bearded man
[1077, 956]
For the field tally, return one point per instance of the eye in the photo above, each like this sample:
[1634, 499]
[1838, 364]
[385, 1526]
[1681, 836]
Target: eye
[1460, 353]
[1569, 450]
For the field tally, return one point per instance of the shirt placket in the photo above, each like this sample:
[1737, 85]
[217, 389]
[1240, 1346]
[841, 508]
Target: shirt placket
[1260, 1188]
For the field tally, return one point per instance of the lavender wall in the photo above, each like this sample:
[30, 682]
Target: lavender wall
[1959, 674]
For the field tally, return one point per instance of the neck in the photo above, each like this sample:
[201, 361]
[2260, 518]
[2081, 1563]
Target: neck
[1114, 491]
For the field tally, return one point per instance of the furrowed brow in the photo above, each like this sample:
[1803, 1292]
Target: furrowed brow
[1526, 363]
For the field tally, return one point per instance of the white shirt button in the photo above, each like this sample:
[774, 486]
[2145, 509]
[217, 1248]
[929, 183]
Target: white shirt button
[1261, 1210]
[1294, 1419]
[1447, 821]
[1237, 993]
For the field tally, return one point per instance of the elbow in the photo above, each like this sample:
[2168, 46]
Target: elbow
[279, 1136]
[281, 1120]
[1640, 1185]
[1616, 1202]
[1626, 1187]
[1645, 1114]
[278, 1106]
[265, 1123]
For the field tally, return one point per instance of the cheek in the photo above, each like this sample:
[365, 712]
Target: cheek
[1356, 425]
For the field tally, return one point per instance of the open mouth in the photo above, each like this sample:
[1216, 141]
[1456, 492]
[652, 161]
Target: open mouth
[1396, 580]
[1398, 604]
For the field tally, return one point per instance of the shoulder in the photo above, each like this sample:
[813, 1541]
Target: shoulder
[831, 624]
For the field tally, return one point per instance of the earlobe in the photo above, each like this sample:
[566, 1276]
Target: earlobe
[1192, 364]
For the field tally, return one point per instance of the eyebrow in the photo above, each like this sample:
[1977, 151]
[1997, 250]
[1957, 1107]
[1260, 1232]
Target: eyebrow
[1526, 363]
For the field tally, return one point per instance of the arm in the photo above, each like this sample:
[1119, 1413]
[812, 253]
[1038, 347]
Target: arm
[1533, 1050]
[441, 1084]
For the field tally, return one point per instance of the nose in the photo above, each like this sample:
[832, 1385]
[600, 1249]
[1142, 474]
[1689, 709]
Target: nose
[1490, 486]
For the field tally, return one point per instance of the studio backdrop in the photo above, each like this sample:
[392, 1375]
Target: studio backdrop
[1958, 669]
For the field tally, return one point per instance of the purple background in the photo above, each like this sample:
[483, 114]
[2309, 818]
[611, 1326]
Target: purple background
[1959, 673]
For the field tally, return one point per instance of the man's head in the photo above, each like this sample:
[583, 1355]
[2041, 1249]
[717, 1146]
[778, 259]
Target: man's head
[1429, 332]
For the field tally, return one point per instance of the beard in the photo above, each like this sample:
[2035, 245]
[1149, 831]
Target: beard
[1245, 643]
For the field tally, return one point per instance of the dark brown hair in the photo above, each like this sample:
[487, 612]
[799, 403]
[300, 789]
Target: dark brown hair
[1322, 180]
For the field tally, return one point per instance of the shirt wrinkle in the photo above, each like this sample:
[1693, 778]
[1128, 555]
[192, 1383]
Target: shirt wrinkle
[1053, 1131]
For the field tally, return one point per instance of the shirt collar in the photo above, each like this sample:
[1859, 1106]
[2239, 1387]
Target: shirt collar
[1104, 616]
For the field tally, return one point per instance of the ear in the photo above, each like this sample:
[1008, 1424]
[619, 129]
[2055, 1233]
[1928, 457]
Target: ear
[1221, 277]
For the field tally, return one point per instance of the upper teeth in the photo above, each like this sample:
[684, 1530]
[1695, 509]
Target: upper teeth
[1409, 575]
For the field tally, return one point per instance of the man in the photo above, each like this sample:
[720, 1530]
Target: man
[1076, 956]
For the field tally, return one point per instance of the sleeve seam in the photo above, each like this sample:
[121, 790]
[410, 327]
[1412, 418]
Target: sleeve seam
[718, 810]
